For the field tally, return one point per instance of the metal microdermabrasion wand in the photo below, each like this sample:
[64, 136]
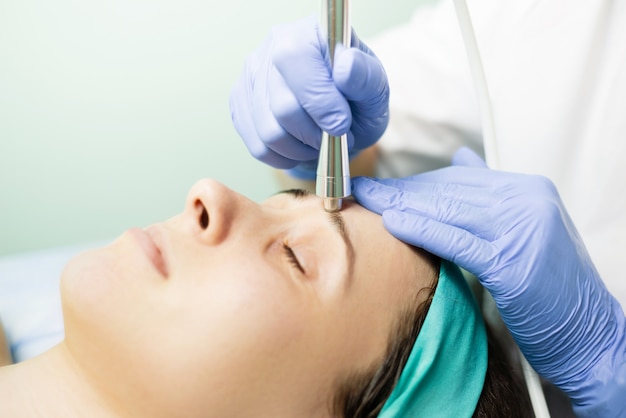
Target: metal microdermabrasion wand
[333, 169]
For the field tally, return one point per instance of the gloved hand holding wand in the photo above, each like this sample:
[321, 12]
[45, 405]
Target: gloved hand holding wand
[287, 94]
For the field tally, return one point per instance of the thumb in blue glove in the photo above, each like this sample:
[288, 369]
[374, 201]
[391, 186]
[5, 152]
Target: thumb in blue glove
[287, 94]
[513, 232]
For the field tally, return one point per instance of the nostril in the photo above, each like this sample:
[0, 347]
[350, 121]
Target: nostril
[204, 218]
[204, 215]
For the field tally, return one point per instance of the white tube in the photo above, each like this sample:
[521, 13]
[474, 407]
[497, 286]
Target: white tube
[533, 383]
[480, 83]
[535, 391]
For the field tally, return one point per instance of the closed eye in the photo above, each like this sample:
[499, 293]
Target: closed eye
[291, 257]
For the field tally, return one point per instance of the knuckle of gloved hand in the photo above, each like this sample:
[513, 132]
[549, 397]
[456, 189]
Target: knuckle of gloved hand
[538, 184]
[448, 189]
[401, 200]
[336, 120]
[541, 202]
[285, 109]
[520, 188]
[361, 77]
[367, 131]
[285, 51]
[290, 43]
[383, 96]
[252, 76]
[259, 151]
[540, 187]
[271, 135]
[271, 158]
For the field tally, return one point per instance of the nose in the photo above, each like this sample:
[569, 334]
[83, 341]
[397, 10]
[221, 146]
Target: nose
[211, 208]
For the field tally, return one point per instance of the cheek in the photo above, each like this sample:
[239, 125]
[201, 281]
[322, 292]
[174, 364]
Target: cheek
[243, 301]
[238, 310]
[241, 321]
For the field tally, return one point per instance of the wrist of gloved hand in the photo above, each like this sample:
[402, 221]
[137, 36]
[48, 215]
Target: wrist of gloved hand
[601, 391]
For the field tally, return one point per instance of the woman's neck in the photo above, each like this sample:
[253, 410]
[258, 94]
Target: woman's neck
[50, 385]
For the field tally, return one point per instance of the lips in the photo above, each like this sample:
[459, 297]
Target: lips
[148, 241]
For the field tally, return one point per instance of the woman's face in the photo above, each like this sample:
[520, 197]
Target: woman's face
[238, 308]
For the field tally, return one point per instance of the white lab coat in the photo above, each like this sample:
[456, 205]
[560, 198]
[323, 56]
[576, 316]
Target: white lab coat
[556, 70]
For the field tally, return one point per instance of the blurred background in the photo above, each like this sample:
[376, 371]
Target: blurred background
[111, 110]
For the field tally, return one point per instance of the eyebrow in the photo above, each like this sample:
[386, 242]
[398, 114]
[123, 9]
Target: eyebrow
[336, 220]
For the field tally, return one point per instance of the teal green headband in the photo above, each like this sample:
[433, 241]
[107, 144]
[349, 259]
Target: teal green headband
[445, 373]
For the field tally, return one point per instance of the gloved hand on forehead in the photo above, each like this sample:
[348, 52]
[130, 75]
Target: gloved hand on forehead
[513, 232]
[287, 94]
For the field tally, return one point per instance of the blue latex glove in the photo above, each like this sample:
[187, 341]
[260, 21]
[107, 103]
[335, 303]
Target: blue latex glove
[287, 94]
[513, 233]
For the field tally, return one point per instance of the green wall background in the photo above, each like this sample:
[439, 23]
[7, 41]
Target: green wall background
[111, 110]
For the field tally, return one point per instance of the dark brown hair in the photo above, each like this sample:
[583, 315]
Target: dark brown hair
[362, 395]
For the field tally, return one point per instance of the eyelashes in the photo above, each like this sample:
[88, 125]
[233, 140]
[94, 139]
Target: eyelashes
[291, 257]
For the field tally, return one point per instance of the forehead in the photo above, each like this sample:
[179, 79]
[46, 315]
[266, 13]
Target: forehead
[377, 252]
[365, 228]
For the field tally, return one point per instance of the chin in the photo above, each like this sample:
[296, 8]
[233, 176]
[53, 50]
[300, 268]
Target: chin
[86, 278]
[84, 265]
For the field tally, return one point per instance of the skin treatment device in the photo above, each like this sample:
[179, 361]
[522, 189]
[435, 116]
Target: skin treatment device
[333, 168]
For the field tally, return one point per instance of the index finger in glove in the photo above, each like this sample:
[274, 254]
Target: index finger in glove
[446, 241]
[472, 195]
[380, 198]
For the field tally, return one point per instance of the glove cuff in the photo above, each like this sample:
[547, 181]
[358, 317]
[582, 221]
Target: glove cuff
[603, 395]
[608, 399]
